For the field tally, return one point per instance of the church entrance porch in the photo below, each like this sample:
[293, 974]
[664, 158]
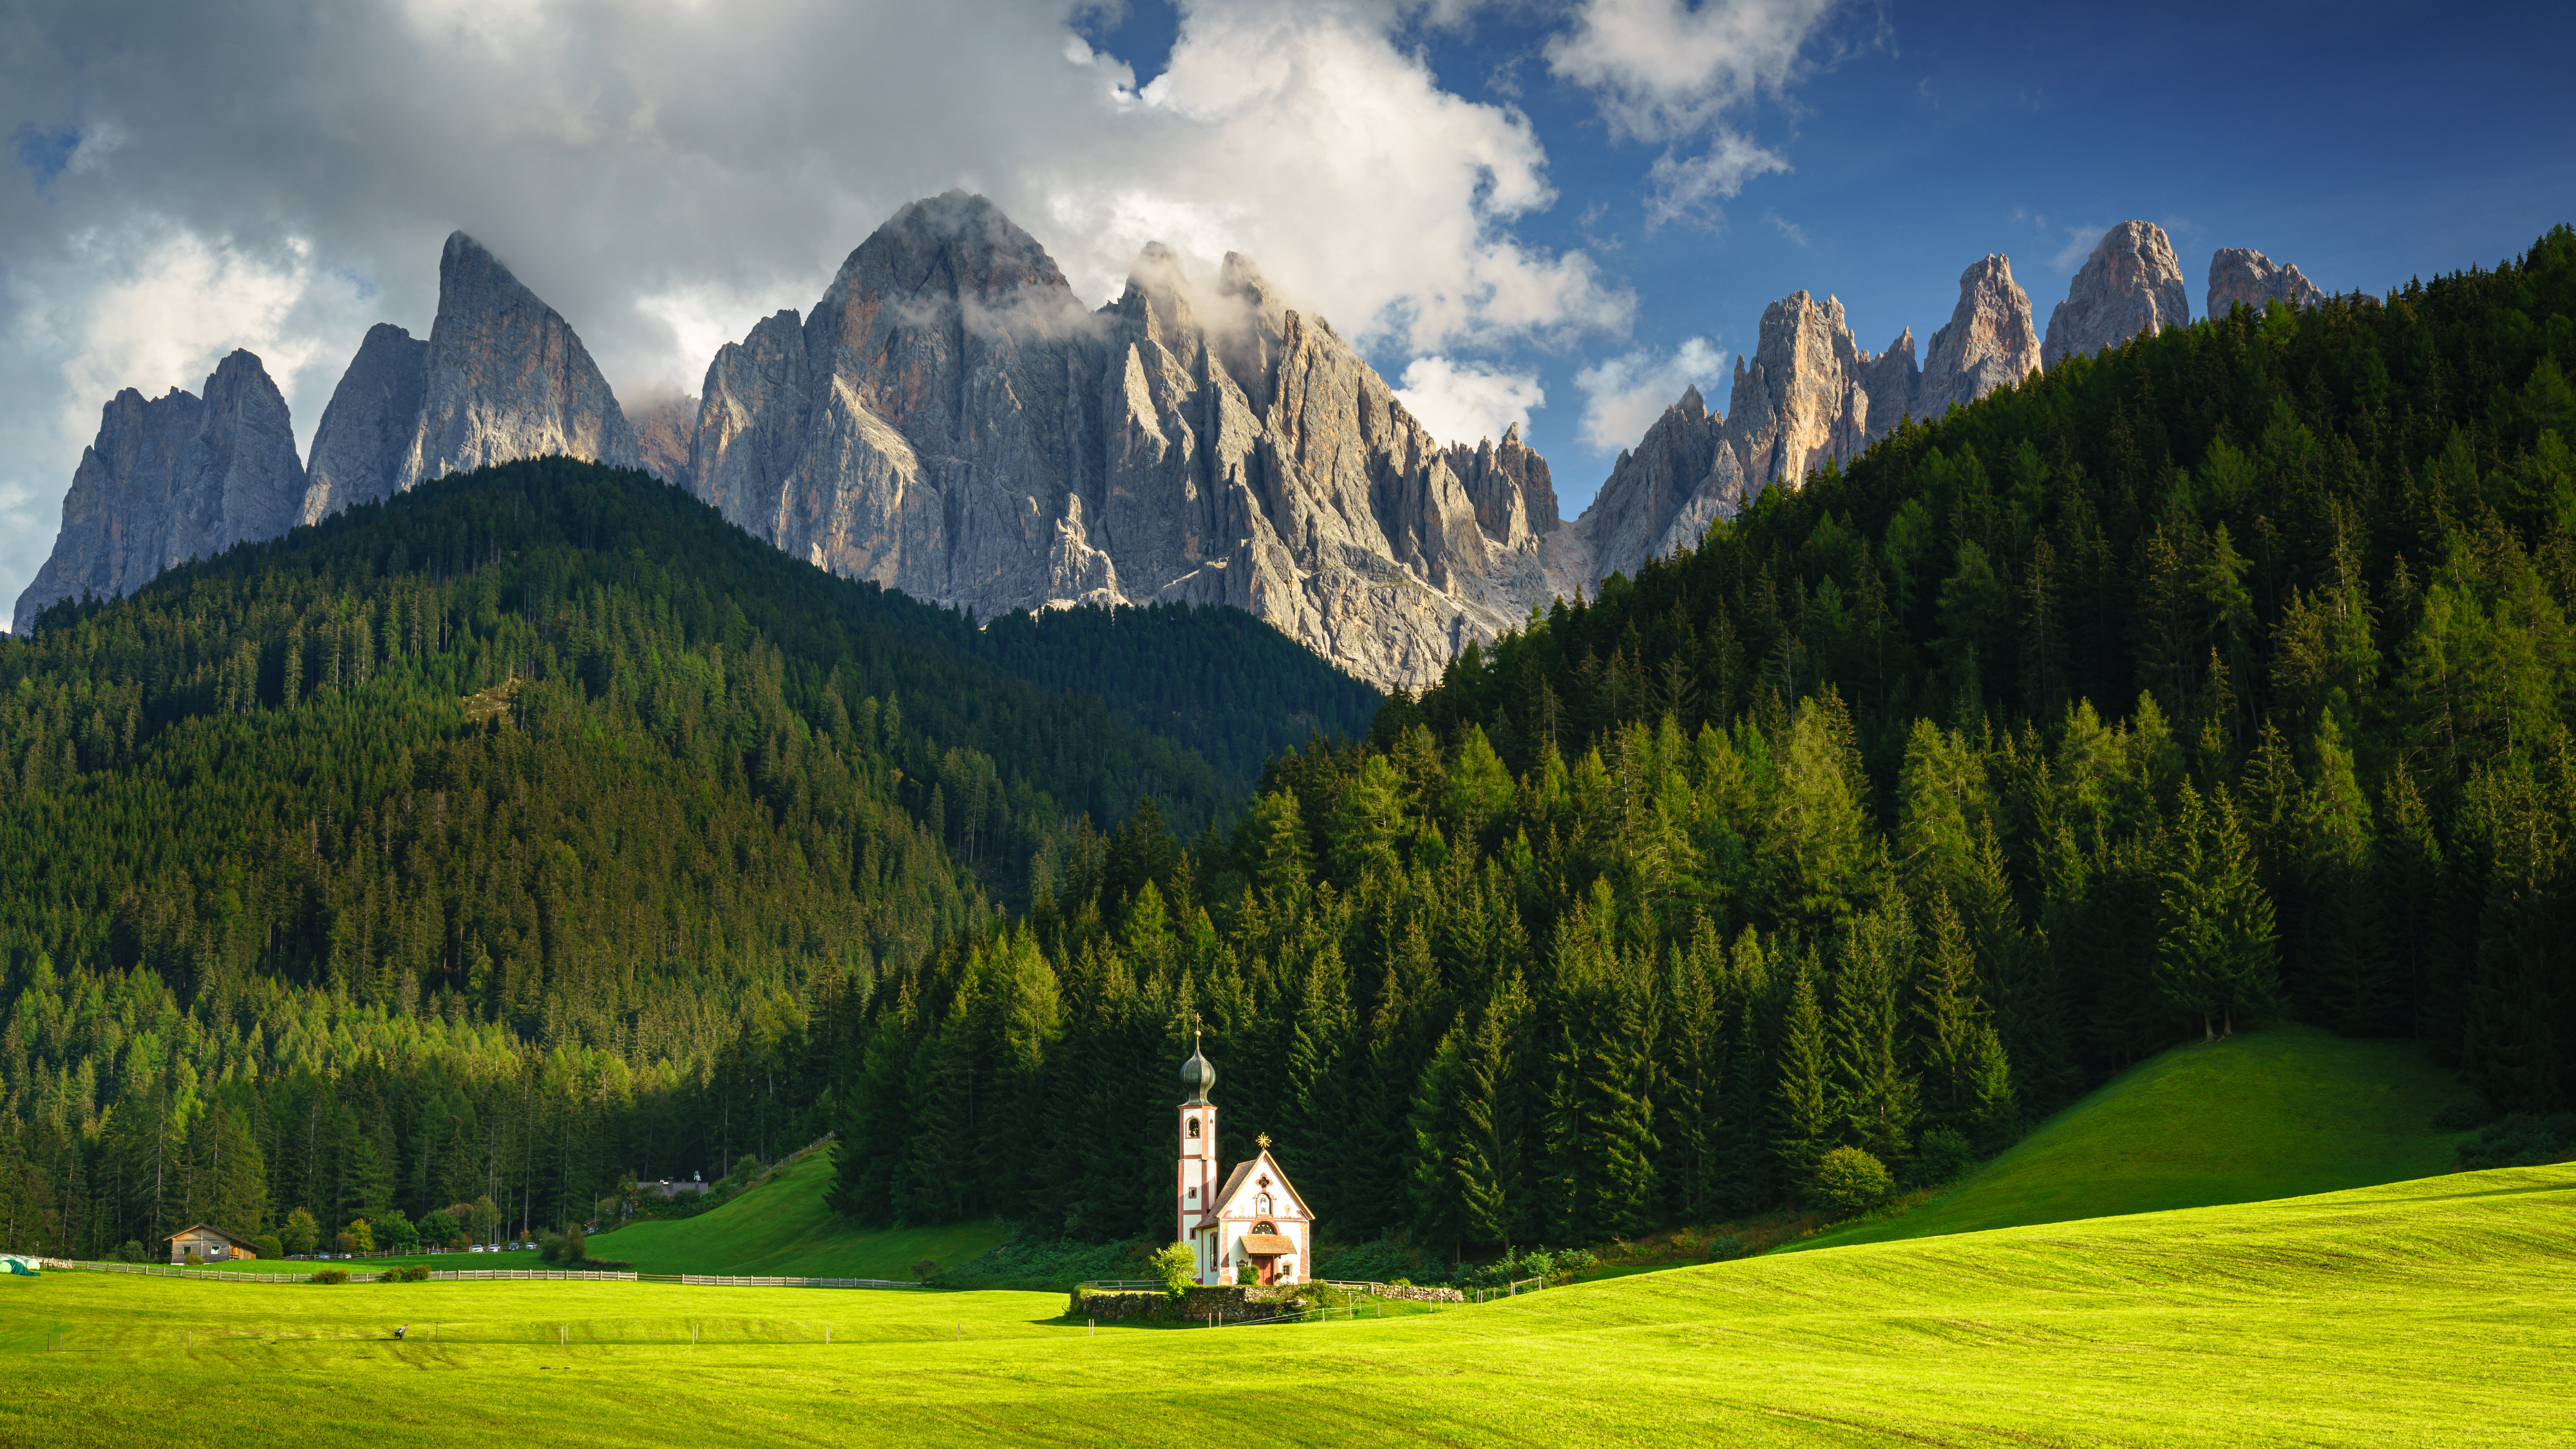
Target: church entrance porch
[1265, 1245]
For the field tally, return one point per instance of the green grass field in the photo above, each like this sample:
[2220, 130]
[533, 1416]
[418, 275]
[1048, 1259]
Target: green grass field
[782, 1229]
[2280, 1113]
[2431, 1312]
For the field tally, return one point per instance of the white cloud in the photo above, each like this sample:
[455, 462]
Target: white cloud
[1623, 395]
[166, 305]
[1668, 70]
[2080, 242]
[666, 171]
[1466, 402]
[1665, 69]
[1679, 190]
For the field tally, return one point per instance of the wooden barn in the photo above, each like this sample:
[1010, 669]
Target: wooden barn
[211, 1245]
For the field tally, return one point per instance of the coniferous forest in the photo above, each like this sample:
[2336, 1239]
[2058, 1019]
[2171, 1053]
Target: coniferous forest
[538, 829]
[517, 835]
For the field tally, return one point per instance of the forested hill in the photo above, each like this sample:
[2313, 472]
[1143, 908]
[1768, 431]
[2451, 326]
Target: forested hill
[2223, 676]
[541, 786]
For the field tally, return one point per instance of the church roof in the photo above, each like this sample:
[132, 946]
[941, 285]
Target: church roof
[1235, 1179]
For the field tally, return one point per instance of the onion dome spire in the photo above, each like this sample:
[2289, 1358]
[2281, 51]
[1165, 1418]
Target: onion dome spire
[1197, 1074]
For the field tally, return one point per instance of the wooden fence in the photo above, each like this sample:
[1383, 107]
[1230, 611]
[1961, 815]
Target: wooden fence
[479, 1275]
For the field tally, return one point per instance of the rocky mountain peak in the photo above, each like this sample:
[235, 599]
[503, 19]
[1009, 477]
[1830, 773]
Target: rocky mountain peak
[171, 479]
[1158, 297]
[507, 378]
[2241, 274]
[367, 431]
[1989, 342]
[948, 421]
[2130, 286]
[1509, 483]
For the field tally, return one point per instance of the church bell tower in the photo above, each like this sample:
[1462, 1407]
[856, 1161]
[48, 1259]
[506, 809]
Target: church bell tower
[1198, 1180]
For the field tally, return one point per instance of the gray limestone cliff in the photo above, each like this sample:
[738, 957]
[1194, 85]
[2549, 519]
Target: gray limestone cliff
[1990, 341]
[1663, 492]
[367, 429]
[169, 480]
[2241, 274]
[949, 420]
[664, 428]
[1508, 482]
[500, 377]
[507, 378]
[1809, 395]
[2130, 286]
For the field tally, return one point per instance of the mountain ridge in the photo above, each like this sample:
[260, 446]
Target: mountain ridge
[950, 420]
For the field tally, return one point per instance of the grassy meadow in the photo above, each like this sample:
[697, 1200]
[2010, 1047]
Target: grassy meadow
[782, 1229]
[2425, 1312]
[2280, 1113]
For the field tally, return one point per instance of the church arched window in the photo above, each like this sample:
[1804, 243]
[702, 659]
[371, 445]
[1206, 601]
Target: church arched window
[1194, 1127]
[1261, 1203]
[1265, 1227]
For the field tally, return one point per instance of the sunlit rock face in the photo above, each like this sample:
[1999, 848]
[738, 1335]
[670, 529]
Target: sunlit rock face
[950, 421]
[2130, 286]
[1990, 341]
[2243, 275]
[500, 377]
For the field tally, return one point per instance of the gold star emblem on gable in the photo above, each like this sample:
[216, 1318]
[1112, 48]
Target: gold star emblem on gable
[1264, 1140]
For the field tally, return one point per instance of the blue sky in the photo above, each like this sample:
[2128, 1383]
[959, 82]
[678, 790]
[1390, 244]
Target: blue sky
[1480, 193]
[2365, 143]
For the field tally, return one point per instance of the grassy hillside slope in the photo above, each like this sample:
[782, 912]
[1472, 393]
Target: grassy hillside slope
[781, 1228]
[2280, 1113]
[2422, 1313]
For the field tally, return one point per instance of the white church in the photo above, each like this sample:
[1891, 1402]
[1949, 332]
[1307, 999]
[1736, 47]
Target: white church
[1255, 1220]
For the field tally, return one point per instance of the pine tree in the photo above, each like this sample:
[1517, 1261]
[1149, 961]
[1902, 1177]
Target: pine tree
[1873, 1094]
[1802, 1124]
[2214, 953]
[1965, 1074]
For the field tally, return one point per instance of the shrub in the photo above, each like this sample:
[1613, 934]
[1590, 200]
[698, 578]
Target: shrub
[925, 1270]
[2521, 1141]
[332, 1275]
[344, 1243]
[1851, 1179]
[1055, 1265]
[301, 1232]
[2464, 1116]
[1723, 1247]
[1942, 1156]
[193, 1260]
[132, 1252]
[412, 1273]
[361, 1232]
[268, 1246]
[438, 1227]
[1177, 1266]
[1372, 1262]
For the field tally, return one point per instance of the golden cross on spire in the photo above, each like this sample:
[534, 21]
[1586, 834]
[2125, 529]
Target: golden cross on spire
[1264, 1140]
